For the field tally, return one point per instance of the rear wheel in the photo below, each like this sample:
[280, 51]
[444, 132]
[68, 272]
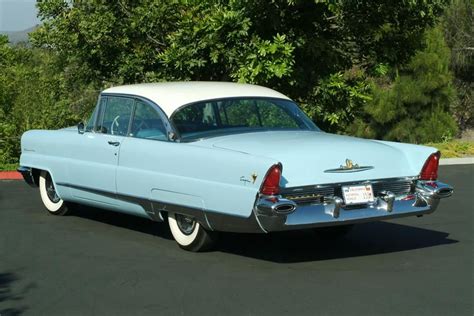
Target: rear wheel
[333, 232]
[51, 200]
[189, 234]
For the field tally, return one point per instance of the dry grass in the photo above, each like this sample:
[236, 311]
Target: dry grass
[454, 149]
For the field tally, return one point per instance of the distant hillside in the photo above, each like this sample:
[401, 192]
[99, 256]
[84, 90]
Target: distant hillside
[18, 36]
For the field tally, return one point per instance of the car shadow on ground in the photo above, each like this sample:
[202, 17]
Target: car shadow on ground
[134, 223]
[294, 246]
[303, 246]
[9, 297]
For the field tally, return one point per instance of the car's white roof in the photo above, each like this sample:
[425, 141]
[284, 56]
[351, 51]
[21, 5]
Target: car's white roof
[172, 95]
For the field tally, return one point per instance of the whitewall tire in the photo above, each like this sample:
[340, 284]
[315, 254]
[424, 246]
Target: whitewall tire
[52, 202]
[189, 234]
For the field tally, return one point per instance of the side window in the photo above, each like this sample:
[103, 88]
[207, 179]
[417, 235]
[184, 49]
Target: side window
[92, 119]
[115, 118]
[147, 123]
[196, 117]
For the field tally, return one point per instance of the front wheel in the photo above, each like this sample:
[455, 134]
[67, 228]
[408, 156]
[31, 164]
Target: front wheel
[51, 200]
[189, 234]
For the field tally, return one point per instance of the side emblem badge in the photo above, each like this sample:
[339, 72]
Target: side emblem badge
[253, 176]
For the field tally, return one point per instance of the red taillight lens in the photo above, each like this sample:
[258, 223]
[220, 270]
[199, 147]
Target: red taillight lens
[271, 184]
[430, 169]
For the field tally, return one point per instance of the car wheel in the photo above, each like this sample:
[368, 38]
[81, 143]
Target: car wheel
[51, 200]
[189, 234]
[333, 232]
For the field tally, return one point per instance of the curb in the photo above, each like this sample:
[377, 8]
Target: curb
[456, 161]
[10, 175]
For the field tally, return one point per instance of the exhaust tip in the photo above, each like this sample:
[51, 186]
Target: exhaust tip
[434, 189]
[285, 208]
[444, 192]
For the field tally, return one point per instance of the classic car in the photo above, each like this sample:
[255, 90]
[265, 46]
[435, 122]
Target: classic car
[213, 157]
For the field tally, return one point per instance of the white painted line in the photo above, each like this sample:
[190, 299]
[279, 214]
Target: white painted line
[457, 161]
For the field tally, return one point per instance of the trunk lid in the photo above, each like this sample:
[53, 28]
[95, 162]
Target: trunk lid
[310, 157]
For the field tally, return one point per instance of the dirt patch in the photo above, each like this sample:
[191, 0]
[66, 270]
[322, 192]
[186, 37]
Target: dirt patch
[468, 135]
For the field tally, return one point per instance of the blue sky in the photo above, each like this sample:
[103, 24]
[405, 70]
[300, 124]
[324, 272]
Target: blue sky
[17, 15]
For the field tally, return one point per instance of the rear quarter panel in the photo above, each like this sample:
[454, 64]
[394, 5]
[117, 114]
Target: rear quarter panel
[214, 180]
[416, 155]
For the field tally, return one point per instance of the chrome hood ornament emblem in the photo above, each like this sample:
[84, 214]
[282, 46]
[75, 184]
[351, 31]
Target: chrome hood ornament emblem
[349, 167]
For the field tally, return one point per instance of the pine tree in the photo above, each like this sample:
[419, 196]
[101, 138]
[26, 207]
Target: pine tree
[414, 106]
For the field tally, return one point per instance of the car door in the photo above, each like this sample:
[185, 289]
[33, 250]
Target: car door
[94, 157]
[138, 172]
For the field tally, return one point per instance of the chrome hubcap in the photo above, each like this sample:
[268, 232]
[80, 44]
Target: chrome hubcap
[186, 224]
[51, 190]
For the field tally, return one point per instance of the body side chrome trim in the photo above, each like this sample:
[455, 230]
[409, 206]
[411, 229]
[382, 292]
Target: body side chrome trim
[210, 220]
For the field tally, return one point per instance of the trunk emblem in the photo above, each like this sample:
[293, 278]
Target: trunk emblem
[349, 167]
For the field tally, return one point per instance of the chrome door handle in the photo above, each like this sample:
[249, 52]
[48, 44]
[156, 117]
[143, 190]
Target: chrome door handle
[113, 143]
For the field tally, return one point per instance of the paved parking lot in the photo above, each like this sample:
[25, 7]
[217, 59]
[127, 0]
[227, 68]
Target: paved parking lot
[100, 263]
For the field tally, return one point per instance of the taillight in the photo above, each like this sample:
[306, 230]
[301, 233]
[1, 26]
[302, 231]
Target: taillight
[430, 169]
[271, 183]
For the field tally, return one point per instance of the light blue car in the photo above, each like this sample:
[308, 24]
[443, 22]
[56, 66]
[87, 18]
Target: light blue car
[216, 156]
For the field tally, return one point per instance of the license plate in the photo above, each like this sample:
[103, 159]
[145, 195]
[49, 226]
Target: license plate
[358, 194]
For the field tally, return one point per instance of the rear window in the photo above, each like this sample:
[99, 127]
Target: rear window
[217, 117]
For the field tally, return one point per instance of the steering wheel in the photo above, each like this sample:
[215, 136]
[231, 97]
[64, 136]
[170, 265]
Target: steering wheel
[114, 122]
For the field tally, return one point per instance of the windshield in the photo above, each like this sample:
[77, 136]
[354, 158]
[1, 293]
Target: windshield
[239, 115]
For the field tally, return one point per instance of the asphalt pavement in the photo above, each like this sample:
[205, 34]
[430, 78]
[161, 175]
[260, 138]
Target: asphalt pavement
[95, 262]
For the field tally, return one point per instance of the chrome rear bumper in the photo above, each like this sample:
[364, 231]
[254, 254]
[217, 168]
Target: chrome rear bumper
[277, 214]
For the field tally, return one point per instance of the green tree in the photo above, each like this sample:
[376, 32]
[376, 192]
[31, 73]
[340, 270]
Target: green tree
[459, 31]
[414, 107]
[33, 95]
[322, 53]
[290, 45]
